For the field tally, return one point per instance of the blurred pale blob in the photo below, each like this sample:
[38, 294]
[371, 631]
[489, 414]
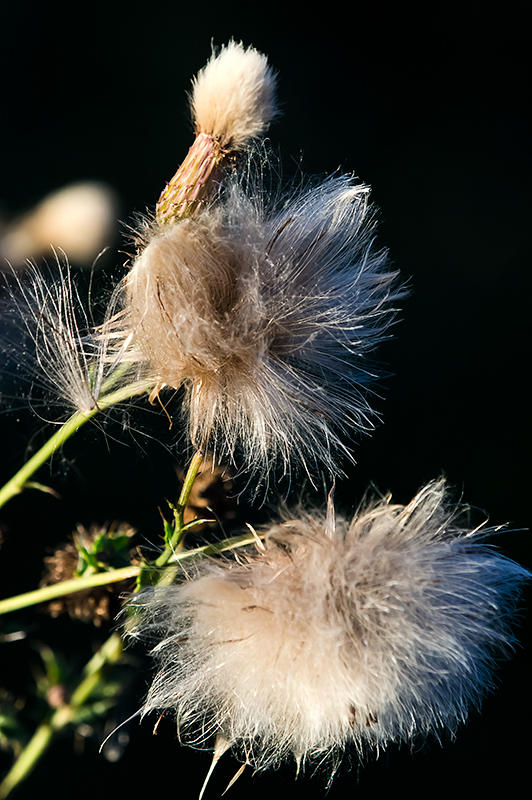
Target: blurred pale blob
[78, 219]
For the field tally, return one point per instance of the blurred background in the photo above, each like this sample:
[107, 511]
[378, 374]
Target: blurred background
[431, 108]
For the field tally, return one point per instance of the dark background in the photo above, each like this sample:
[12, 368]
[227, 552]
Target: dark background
[431, 108]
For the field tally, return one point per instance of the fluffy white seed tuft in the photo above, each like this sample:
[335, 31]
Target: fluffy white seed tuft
[46, 333]
[340, 633]
[265, 314]
[233, 96]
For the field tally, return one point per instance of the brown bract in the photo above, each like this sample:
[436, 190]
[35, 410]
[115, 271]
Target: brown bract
[210, 495]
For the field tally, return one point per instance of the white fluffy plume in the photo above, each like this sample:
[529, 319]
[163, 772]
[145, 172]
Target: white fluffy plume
[265, 312]
[233, 96]
[47, 334]
[358, 632]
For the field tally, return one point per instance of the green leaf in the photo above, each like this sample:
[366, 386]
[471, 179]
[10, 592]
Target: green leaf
[119, 543]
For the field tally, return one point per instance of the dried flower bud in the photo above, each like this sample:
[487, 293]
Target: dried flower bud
[233, 96]
[110, 546]
[210, 493]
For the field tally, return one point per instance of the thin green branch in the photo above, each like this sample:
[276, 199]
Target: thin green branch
[162, 571]
[179, 528]
[175, 542]
[215, 548]
[109, 653]
[29, 757]
[21, 479]
[46, 593]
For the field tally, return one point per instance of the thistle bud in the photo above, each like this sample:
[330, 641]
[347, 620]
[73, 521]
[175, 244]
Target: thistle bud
[90, 549]
[232, 102]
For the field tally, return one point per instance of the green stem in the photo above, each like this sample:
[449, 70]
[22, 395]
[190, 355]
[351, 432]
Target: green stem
[217, 547]
[152, 573]
[17, 483]
[29, 757]
[111, 650]
[109, 653]
[46, 593]
[177, 538]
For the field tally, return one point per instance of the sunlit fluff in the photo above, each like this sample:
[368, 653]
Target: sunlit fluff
[265, 314]
[233, 96]
[46, 332]
[339, 633]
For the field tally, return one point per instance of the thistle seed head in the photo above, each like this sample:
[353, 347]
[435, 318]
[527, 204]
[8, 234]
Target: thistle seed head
[340, 633]
[265, 313]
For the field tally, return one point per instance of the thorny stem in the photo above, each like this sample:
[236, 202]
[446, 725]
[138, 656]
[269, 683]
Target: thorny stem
[176, 541]
[115, 575]
[184, 496]
[46, 593]
[109, 652]
[21, 479]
